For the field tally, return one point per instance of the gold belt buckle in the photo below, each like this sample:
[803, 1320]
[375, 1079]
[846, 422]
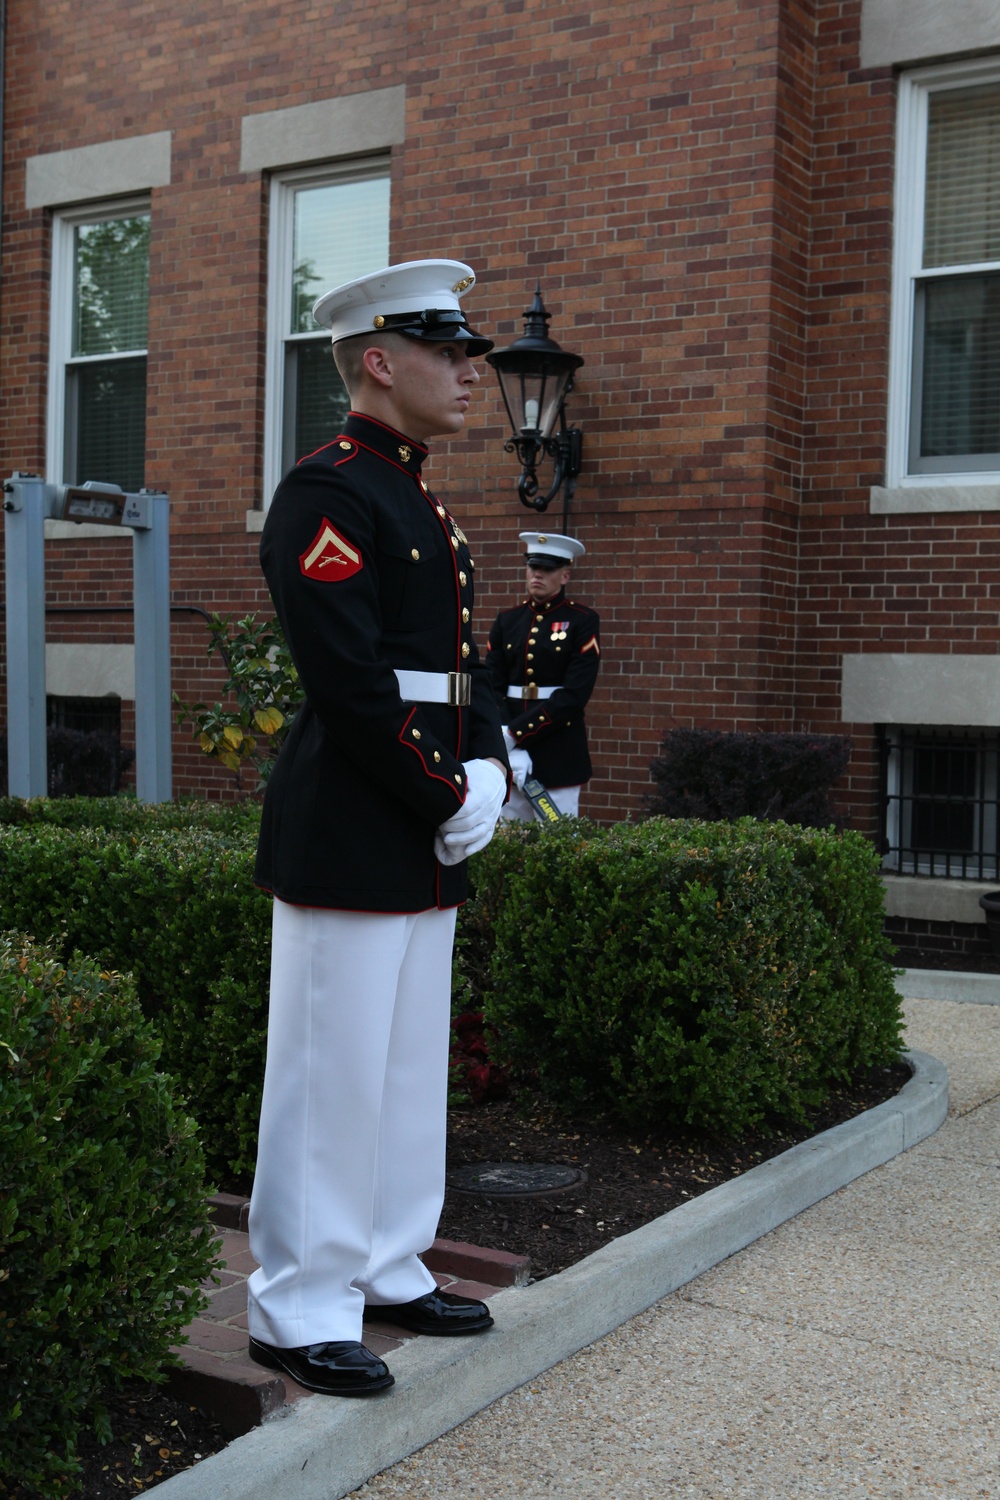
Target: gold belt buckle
[531, 690]
[459, 689]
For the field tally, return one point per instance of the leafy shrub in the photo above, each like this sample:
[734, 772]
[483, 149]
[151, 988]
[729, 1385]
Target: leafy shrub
[81, 762]
[102, 1207]
[85, 762]
[704, 773]
[126, 814]
[178, 908]
[473, 1075]
[264, 696]
[711, 976]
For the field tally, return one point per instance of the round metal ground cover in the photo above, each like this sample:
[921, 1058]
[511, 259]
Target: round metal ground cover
[515, 1179]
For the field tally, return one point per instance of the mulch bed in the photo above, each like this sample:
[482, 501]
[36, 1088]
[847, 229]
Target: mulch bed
[631, 1179]
[155, 1437]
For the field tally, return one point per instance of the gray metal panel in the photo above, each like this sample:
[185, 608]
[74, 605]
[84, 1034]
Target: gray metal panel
[26, 504]
[151, 589]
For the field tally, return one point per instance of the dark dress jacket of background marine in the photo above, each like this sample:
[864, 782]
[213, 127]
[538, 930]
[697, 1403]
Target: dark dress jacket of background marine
[556, 644]
[368, 573]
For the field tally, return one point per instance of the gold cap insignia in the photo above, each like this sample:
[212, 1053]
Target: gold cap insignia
[464, 284]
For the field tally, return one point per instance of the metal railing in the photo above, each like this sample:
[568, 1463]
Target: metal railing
[940, 797]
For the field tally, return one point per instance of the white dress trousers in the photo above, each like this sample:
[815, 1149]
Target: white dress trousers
[519, 810]
[351, 1159]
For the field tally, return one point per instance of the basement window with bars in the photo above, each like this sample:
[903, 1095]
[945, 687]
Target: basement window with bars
[97, 345]
[328, 226]
[940, 793]
[945, 382]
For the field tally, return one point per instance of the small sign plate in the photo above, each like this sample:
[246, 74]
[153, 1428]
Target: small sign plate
[94, 506]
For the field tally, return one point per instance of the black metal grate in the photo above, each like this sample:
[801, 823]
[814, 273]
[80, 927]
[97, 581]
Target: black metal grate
[939, 791]
[103, 715]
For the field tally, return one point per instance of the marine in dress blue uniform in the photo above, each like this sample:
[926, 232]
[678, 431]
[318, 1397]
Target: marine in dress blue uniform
[543, 660]
[394, 771]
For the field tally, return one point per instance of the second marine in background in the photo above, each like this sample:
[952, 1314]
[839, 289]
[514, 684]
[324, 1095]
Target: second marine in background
[543, 658]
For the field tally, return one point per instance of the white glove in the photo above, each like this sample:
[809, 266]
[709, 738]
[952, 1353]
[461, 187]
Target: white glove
[471, 828]
[520, 765]
[520, 760]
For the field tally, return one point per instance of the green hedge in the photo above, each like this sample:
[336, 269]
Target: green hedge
[704, 975]
[710, 975]
[103, 1233]
[175, 904]
[124, 814]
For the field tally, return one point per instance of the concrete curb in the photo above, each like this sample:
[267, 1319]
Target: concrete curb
[322, 1449]
[949, 984]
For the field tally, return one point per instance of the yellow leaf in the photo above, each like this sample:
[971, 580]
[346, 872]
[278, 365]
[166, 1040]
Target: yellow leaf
[207, 743]
[269, 720]
[229, 759]
[233, 735]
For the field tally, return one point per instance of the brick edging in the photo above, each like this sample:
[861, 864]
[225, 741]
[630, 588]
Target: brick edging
[451, 1257]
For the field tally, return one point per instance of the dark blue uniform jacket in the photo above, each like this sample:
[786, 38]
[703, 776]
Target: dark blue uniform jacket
[368, 572]
[557, 644]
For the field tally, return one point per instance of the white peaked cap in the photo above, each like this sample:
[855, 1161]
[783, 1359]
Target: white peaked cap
[401, 299]
[548, 544]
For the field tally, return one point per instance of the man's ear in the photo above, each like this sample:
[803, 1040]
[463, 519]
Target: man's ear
[377, 364]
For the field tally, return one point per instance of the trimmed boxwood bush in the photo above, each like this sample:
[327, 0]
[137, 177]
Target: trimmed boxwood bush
[706, 975]
[103, 1234]
[709, 975]
[126, 814]
[176, 906]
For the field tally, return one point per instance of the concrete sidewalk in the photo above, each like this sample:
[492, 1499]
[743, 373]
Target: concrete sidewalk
[853, 1350]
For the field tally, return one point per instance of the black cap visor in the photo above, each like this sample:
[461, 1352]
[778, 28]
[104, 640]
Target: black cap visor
[437, 325]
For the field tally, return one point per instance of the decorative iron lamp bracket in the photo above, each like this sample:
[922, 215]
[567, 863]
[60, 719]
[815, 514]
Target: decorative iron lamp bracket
[564, 449]
[536, 375]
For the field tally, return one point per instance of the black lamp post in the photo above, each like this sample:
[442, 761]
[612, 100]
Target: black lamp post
[536, 376]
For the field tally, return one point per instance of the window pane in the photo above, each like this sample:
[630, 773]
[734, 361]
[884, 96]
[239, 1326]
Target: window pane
[960, 411]
[321, 402]
[962, 223]
[111, 285]
[341, 231]
[107, 419]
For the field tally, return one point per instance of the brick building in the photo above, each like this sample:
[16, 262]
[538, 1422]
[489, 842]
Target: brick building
[769, 229]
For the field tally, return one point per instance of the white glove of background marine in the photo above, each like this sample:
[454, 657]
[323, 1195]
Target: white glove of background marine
[520, 760]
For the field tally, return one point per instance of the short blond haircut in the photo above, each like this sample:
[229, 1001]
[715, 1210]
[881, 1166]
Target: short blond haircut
[349, 353]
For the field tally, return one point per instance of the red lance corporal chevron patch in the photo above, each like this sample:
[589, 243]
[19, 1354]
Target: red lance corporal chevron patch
[330, 558]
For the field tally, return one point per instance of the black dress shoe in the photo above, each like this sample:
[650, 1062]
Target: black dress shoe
[440, 1313]
[337, 1369]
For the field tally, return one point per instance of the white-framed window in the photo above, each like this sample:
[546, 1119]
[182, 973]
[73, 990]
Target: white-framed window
[940, 792]
[96, 427]
[944, 403]
[327, 226]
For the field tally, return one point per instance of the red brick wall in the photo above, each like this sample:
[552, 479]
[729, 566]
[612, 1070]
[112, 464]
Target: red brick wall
[705, 194]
